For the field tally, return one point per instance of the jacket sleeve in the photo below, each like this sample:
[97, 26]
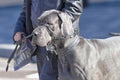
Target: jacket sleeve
[73, 8]
[21, 22]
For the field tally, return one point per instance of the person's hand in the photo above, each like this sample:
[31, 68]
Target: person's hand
[17, 36]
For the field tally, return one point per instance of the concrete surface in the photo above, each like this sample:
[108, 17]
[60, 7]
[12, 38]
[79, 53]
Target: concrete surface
[29, 72]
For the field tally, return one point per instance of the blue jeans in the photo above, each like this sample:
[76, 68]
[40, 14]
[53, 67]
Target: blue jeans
[45, 66]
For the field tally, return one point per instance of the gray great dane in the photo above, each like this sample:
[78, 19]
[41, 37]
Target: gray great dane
[78, 58]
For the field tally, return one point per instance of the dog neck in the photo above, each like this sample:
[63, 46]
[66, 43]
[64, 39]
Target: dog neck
[67, 43]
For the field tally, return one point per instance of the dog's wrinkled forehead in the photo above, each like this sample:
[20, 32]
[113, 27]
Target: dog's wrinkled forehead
[48, 17]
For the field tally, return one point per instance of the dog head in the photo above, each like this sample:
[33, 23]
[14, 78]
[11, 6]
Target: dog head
[51, 24]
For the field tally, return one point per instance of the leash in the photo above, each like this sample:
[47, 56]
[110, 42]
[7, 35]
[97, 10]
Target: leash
[16, 47]
[12, 55]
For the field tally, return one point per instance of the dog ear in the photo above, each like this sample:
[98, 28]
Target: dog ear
[66, 24]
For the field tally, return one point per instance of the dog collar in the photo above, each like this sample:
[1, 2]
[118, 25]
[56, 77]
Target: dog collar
[65, 51]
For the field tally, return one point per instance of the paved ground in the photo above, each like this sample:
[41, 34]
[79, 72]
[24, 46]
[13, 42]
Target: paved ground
[29, 72]
[26, 73]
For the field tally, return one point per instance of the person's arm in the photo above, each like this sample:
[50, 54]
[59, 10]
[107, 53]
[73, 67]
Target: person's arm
[73, 8]
[20, 25]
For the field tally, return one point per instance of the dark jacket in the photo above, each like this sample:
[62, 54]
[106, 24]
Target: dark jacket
[72, 7]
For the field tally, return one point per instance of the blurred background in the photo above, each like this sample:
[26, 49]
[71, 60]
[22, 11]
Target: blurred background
[99, 18]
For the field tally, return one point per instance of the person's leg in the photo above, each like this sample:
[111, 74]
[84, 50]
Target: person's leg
[41, 55]
[47, 72]
[45, 67]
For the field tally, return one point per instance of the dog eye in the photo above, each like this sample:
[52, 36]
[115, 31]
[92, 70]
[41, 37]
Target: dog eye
[50, 25]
